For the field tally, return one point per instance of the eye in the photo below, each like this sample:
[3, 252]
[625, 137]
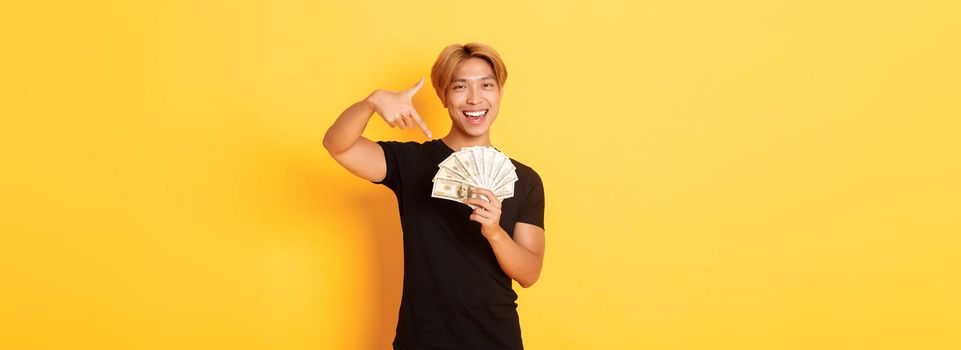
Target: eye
[488, 85]
[458, 87]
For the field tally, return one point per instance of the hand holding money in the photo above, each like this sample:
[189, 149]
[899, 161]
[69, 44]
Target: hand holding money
[488, 211]
[474, 168]
[397, 109]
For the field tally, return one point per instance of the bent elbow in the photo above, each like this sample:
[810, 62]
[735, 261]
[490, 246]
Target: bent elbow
[331, 143]
[327, 142]
[331, 149]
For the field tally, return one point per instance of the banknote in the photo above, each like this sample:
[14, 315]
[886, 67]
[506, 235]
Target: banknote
[474, 167]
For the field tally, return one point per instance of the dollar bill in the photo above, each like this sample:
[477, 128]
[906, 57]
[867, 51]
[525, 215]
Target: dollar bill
[472, 168]
[455, 190]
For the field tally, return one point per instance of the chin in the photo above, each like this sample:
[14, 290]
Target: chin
[472, 131]
[478, 133]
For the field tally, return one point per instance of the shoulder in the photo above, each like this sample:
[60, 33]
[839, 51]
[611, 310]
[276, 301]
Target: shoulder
[402, 144]
[402, 147]
[527, 174]
[400, 156]
[530, 191]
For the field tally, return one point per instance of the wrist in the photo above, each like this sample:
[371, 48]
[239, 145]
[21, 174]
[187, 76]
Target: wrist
[369, 101]
[496, 235]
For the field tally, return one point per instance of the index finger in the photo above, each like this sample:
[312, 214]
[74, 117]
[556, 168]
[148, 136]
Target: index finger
[423, 126]
[490, 196]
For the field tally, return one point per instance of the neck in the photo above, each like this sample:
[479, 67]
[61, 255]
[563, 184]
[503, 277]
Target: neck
[455, 140]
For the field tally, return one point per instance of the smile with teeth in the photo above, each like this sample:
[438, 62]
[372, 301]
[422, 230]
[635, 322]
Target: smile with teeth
[475, 116]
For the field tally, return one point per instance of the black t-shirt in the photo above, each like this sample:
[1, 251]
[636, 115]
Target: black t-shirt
[455, 294]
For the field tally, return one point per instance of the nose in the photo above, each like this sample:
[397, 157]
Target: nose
[472, 96]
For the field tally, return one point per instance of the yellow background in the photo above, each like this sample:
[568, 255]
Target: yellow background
[718, 174]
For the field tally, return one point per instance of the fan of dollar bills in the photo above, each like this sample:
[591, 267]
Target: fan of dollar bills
[474, 167]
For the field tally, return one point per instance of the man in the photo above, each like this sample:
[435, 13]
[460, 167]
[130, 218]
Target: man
[458, 262]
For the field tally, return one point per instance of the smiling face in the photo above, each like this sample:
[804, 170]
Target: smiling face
[473, 97]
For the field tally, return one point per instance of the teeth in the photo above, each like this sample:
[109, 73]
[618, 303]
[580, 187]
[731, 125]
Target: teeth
[476, 114]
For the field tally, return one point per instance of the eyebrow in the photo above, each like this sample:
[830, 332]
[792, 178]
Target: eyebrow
[483, 78]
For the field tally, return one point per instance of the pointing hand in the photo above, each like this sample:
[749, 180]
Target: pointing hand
[396, 107]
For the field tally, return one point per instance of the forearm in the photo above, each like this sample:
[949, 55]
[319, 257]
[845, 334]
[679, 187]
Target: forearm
[518, 262]
[348, 127]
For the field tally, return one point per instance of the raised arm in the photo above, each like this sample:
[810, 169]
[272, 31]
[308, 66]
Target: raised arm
[359, 155]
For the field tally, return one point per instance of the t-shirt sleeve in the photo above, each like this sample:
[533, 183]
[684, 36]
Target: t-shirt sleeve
[531, 210]
[398, 157]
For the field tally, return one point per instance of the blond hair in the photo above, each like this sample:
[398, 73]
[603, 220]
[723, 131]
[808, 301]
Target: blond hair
[443, 71]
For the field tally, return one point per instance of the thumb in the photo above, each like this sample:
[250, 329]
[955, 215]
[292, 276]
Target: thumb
[413, 89]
